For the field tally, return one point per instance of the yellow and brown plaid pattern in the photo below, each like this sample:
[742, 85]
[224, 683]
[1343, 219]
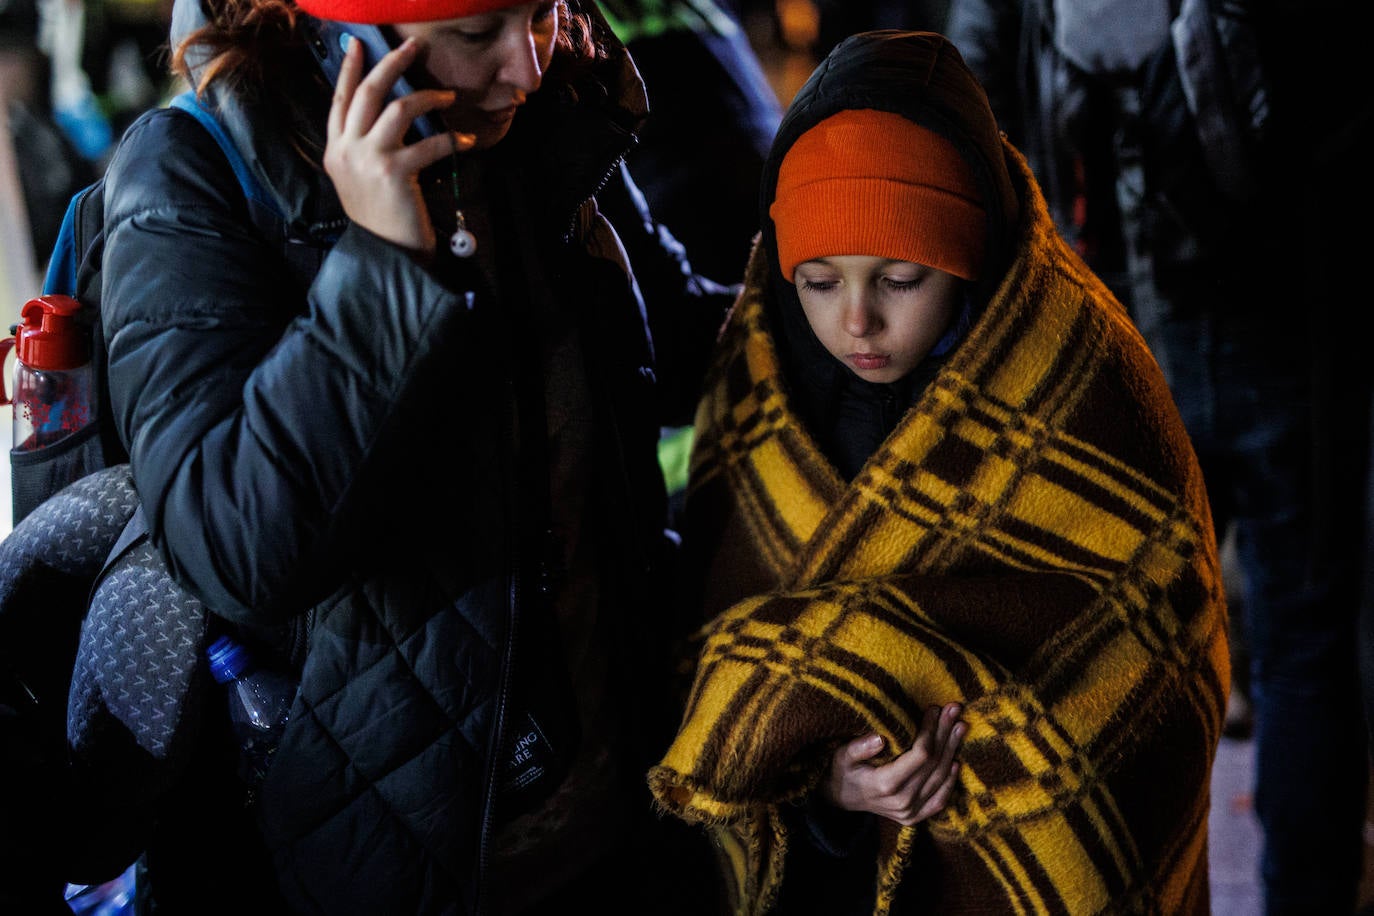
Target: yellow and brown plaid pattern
[1032, 540]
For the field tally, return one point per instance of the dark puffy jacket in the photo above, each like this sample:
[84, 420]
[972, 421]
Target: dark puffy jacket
[324, 437]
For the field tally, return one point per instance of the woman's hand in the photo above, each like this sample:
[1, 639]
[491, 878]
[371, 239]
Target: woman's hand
[912, 787]
[376, 175]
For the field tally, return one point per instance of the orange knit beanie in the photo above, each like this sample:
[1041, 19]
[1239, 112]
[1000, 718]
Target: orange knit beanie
[390, 12]
[873, 183]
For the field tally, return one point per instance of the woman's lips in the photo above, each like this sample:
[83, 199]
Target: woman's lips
[869, 361]
[500, 115]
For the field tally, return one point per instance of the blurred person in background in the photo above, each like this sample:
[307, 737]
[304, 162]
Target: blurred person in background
[48, 167]
[712, 114]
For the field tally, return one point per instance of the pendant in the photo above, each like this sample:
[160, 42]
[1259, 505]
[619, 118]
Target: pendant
[462, 243]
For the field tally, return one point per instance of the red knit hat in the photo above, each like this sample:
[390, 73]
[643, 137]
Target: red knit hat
[389, 12]
[872, 182]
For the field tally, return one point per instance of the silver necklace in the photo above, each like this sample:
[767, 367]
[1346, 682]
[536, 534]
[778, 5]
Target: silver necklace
[462, 243]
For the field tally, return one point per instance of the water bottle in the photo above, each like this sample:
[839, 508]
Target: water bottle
[52, 374]
[259, 706]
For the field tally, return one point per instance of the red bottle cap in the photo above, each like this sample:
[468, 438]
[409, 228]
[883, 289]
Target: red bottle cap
[51, 338]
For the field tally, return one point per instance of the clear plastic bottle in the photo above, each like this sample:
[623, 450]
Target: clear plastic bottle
[52, 374]
[259, 706]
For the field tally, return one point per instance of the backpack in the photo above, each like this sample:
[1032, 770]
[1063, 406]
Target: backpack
[74, 270]
[89, 616]
[1209, 47]
[1109, 36]
[1155, 132]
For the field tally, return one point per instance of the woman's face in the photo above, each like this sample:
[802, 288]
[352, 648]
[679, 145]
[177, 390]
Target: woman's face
[877, 316]
[494, 61]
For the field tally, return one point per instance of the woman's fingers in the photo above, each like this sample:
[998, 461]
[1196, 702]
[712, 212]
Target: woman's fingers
[372, 92]
[350, 71]
[374, 171]
[418, 155]
[396, 118]
[400, 112]
[362, 102]
[363, 109]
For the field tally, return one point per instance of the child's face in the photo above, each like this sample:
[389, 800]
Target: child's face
[877, 316]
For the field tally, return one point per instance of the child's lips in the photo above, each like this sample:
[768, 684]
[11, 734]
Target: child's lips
[869, 361]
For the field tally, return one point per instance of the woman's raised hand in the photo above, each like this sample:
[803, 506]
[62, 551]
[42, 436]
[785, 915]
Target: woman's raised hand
[908, 789]
[375, 173]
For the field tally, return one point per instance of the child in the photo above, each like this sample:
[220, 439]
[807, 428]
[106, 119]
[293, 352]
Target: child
[937, 469]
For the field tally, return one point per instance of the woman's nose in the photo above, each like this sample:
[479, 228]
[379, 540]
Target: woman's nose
[520, 66]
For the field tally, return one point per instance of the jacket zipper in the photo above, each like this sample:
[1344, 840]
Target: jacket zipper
[577, 210]
[498, 732]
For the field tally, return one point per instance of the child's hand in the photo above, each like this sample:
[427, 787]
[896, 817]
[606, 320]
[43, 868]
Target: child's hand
[912, 787]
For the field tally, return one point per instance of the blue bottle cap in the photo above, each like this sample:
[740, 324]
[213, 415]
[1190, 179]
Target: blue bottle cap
[228, 659]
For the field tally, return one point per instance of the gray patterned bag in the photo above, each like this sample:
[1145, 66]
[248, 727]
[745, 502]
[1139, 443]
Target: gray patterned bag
[101, 679]
[139, 676]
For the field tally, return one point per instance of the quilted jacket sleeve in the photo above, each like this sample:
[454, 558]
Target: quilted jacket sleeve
[250, 415]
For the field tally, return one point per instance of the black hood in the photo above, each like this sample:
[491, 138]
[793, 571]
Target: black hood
[921, 76]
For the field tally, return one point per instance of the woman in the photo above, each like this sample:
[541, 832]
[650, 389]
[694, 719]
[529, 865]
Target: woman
[420, 471]
[936, 467]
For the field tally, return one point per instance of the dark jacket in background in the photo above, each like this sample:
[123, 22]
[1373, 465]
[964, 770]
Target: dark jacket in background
[1289, 69]
[712, 114]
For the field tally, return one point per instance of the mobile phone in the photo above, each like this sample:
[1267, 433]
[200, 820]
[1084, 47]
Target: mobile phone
[328, 41]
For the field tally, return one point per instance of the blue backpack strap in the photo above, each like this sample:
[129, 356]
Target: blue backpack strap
[61, 275]
[62, 266]
[252, 189]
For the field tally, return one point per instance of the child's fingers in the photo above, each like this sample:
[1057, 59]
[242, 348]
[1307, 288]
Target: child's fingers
[939, 798]
[949, 717]
[859, 750]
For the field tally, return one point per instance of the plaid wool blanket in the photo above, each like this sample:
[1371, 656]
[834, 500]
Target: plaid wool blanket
[1032, 540]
